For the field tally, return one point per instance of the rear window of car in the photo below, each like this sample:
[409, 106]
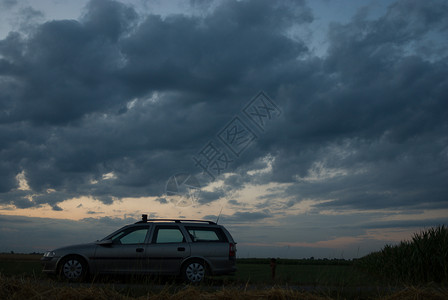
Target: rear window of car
[203, 234]
[165, 235]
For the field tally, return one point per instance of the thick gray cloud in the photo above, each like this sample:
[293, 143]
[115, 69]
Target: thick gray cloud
[7, 4]
[241, 217]
[406, 223]
[138, 96]
[45, 234]
[380, 114]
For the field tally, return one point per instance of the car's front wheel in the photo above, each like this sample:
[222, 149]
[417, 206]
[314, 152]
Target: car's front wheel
[73, 268]
[194, 271]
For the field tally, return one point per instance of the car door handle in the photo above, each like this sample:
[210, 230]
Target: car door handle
[180, 248]
[139, 250]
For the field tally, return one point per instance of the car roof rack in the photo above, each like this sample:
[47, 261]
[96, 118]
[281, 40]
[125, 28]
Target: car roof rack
[145, 220]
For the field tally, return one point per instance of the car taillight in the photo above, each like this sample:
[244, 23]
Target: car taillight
[232, 250]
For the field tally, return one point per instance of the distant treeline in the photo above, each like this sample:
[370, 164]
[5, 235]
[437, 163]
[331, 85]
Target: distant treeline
[21, 253]
[279, 261]
[301, 261]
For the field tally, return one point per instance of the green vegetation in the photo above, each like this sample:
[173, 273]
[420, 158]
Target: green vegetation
[302, 261]
[421, 260]
[21, 277]
[11, 288]
[252, 271]
[28, 288]
[21, 264]
[300, 274]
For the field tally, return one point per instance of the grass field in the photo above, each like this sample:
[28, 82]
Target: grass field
[343, 275]
[249, 271]
[415, 269]
[21, 264]
[21, 277]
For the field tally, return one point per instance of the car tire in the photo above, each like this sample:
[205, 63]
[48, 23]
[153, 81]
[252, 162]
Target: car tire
[73, 268]
[194, 271]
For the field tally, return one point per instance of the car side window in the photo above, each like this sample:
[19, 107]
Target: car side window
[201, 234]
[130, 236]
[168, 235]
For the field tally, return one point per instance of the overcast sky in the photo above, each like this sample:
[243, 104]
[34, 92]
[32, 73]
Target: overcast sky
[313, 128]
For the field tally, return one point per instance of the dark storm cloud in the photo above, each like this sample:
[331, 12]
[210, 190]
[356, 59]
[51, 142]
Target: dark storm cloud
[377, 111]
[45, 234]
[161, 200]
[206, 197]
[28, 17]
[7, 4]
[234, 202]
[384, 114]
[108, 19]
[75, 93]
[136, 97]
[216, 54]
[425, 223]
[241, 217]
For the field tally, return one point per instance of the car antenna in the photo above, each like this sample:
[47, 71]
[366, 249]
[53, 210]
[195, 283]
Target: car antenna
[217, 219]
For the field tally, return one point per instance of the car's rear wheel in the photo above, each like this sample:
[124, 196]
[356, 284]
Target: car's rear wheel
[73, 268]
[194, 271]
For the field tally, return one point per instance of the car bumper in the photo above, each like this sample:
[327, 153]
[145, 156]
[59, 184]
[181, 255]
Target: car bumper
[49, 264]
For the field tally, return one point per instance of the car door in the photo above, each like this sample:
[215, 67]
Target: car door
[125, 252]
[167, 249]
[211, 243]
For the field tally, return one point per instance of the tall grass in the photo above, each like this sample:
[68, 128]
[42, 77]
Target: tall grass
[26, 288]
[422, 259]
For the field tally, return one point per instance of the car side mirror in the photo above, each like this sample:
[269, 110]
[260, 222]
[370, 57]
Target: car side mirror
[104, 243]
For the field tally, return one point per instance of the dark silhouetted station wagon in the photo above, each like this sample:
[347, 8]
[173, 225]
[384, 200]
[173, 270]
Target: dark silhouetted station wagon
[190, 248]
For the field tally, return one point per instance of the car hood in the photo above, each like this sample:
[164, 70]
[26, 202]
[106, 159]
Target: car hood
[85, 246]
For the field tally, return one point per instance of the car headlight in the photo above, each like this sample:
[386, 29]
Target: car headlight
[49, 254]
